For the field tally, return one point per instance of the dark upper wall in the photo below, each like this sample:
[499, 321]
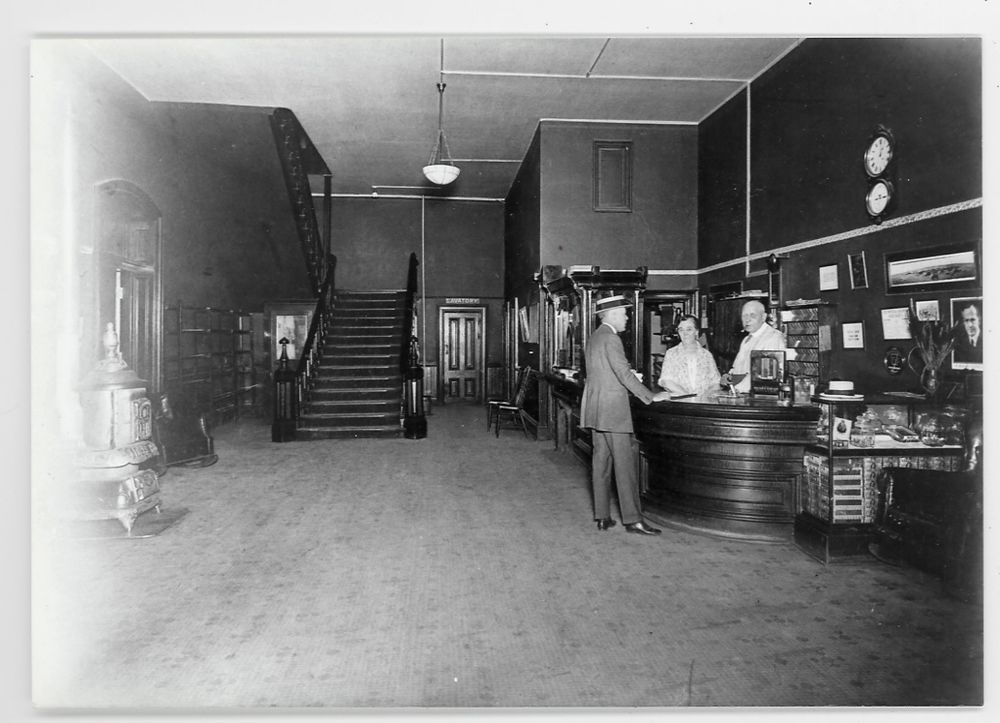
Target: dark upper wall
[232, 240]
[373, 239]
[550, 215]
[463, 254]
[661, 230]
[722, 202]
[811, 116]
[523, 226]
[814, 111]
[227, 240]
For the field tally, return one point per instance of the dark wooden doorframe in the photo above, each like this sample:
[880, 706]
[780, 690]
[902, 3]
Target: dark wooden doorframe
[480, 348]
[128, 279]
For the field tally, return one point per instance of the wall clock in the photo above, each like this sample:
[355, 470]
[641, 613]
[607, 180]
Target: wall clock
[879, 152]
[880, 195]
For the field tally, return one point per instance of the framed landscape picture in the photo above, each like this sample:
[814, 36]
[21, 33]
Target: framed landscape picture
[941, 269]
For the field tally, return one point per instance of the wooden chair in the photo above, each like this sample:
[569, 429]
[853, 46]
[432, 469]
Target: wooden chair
[493, 404]
[515, 410]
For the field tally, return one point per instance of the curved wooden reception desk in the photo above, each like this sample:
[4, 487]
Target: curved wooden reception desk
[725, 465]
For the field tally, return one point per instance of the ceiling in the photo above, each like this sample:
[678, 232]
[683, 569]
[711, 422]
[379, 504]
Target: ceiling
[370, 103]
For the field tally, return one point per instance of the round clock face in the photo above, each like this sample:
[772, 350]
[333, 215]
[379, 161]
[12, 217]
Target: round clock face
[878, 155]
[878, 197]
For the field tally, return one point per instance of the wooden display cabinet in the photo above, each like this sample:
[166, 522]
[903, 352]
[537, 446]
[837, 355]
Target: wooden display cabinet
[209, 364]
[808, 328]
[567, 322]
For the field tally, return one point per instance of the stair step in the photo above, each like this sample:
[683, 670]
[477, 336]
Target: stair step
[355, 367]
[379, 409]
[363, 432]
[350, 390]
[349, 419]
[360, 346]
[373, 382]
[366, 317]
[360, 361]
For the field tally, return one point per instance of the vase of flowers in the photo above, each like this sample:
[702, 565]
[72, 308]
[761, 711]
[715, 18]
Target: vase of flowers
[934, 341]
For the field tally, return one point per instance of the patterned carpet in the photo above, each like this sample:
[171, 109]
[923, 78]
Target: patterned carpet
[464, 571]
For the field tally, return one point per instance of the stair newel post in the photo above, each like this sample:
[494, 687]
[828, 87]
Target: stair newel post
[414, 421]
[285, 398]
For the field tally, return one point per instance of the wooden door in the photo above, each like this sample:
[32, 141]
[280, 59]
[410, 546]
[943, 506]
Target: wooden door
[137, 334]
[462, 354]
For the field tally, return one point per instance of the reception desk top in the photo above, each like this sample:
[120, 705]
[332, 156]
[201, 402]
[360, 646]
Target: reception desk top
[739, 406]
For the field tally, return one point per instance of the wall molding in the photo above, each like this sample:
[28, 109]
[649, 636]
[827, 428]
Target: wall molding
[823, 240]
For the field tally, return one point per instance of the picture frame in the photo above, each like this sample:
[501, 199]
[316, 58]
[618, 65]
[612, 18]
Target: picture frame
[828, 278]
[854, 335]
[927, 310]
[896, 323]
[967, 314]
[291, 320]
[939, 269]
[859, 270]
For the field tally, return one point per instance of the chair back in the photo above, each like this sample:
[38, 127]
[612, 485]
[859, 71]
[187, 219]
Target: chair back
[522, 387]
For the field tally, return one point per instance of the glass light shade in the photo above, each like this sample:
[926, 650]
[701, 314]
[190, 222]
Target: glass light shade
[441, 173]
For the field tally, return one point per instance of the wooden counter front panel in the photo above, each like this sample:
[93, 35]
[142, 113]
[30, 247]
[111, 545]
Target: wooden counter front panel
[725, 463]
[752, 483]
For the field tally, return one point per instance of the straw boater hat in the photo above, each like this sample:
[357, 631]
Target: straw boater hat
[611, 302]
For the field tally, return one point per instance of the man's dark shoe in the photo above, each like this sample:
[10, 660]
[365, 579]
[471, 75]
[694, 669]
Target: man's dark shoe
[606, 524]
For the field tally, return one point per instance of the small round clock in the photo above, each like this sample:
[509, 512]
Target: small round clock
[878, 154]
[879, 197]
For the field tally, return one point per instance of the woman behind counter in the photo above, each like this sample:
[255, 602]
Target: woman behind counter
[689, 368]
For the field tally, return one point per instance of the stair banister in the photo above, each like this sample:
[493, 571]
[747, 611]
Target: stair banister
[309, 359]
[414, 422]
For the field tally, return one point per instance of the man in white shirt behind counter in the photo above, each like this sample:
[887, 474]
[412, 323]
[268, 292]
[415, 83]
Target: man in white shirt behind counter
[760, 336]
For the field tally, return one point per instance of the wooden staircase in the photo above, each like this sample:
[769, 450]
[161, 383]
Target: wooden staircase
[357, 388]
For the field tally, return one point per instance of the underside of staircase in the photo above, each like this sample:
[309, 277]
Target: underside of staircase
[357, 388]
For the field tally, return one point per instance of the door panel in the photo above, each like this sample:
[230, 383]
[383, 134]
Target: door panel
[462, 355]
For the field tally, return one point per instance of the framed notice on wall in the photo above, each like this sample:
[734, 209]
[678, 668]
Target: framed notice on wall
[828, 280]
[854, 335]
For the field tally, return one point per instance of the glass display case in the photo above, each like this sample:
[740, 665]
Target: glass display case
[856, 437]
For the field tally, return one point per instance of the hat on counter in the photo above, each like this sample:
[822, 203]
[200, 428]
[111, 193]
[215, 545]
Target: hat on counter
[611, 302]
[839, 386]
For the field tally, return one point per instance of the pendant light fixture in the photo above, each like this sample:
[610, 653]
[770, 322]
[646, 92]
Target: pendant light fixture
[439, 168]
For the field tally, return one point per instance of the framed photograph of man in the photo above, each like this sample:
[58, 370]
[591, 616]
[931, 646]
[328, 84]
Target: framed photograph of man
[967, 313]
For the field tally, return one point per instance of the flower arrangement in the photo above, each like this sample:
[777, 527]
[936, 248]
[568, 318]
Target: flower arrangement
[934, 339]
[934, 342]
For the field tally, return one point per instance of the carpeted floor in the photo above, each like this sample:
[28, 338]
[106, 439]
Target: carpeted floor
[465, 571]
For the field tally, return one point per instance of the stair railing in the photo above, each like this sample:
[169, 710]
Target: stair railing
[312, 350]
[299, 158]
[414, 422]
[292, 387]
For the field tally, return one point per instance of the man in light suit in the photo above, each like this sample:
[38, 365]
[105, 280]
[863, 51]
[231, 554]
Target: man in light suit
[759, 336]
[606, 412]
